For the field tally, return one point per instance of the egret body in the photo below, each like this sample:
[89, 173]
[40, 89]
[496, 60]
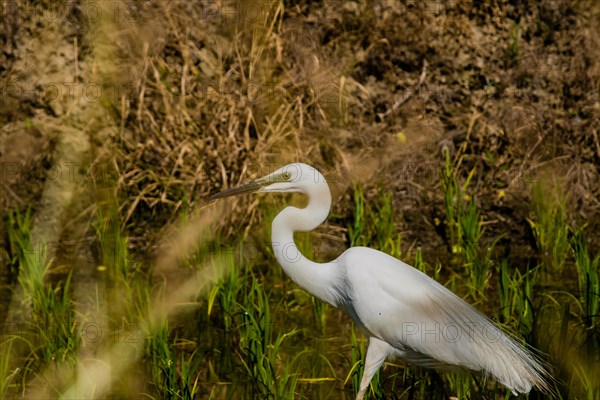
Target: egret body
[404, 312]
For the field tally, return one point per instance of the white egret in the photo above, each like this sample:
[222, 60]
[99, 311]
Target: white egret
[403, 312]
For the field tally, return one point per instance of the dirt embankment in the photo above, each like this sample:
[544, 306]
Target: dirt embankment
[195, 96]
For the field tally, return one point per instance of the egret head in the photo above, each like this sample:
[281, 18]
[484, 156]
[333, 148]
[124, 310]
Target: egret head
[296, 177]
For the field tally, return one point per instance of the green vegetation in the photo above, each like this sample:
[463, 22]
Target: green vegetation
[177, 299]
[549, 226]
[588, 272]
[373, 226]
[464, 228]
[261, 346]
[252, 327]
[50, 333]
[6, 375]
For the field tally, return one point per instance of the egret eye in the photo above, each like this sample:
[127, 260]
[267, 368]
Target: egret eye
[286, 175]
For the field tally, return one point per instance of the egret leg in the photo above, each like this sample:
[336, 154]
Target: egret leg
[377, 352]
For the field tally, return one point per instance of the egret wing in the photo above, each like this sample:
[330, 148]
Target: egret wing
[428, 324]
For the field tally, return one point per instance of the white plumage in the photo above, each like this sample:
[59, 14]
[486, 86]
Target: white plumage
[402, 311]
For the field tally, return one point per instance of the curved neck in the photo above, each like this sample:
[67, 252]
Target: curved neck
[320, 280]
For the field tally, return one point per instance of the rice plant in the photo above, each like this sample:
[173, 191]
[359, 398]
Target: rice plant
[515, 294]
[464, 230]
[6, 375]
[383, 219]
[357, 231]
[163, 362]
[113, 246]
[189, 366]
[374, 226]
[260, 347]
[358, 351]
[226, 292]
[588, 274]
[589, 281]
[174, 376]
[461, 385]
[549, 225]
[53, 325]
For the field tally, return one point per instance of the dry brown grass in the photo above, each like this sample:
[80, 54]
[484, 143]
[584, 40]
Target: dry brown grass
[199, 96]
[212, 106]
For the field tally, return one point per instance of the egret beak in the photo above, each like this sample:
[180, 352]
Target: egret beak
[267, 183]
[236, 191]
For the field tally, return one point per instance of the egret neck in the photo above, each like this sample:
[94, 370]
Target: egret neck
[320, 280]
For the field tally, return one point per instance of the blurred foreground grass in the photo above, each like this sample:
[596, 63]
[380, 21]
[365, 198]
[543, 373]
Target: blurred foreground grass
[176, 299]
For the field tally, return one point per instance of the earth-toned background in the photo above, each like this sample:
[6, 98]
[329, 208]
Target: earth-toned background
[152, 106]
